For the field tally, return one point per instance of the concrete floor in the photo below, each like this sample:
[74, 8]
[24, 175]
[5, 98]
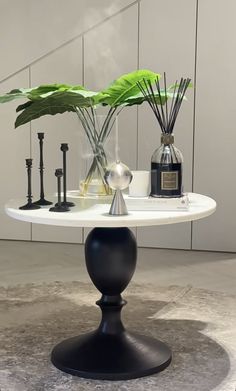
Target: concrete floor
[26, 262]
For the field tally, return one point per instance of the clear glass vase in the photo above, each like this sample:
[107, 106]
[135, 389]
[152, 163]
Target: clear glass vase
[97, 151]
[167, 169]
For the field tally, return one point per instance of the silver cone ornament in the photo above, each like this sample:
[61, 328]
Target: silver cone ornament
[118, 176]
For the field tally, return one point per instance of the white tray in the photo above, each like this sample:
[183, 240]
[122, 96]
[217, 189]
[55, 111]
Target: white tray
[152, 203]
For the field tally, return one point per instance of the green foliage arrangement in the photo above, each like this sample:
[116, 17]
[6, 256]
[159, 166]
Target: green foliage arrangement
[52, 99]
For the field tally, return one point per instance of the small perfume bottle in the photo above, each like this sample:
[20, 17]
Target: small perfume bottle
[167, 169]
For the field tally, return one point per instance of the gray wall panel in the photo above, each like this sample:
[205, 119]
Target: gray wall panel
[215, 158]
[109, 51]
[64, 66]
[167, 43]
[15, 148]
[31, 28]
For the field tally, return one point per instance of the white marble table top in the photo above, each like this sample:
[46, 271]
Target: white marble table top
[92, 213]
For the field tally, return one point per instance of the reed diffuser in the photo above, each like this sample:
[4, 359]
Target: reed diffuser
[167, 160]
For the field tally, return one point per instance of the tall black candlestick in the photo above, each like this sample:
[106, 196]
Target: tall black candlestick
[29, 204]
[64, 149]
[59, 207]
[42, 200]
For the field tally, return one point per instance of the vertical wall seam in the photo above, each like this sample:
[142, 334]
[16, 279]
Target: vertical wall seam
[137, 109]
[194, 106]
[138, 52]
[30, 147]
[83, 70]
[138, 65]
[83, 81]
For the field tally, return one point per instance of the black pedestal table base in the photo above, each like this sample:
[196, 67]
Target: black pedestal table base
[111, 357]
[111, 352]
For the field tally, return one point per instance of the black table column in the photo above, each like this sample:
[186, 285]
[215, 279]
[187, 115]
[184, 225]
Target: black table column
[110, 352]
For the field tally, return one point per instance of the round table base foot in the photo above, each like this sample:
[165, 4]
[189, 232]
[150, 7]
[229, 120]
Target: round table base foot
[111, 357]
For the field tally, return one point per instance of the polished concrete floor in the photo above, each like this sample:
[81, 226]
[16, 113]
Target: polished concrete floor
[26, 262]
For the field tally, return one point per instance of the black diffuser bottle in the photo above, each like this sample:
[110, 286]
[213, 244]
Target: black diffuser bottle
[167, 160]
[167, 169]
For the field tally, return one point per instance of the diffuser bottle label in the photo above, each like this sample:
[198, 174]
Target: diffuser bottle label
[169, 180]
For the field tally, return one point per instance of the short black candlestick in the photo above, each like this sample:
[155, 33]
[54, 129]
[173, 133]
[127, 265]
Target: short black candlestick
[64, 149]
[29, 204]
[59, 207]
[42, 200]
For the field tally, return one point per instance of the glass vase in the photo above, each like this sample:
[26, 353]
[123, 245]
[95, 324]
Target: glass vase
[167, 169]
[98, 151]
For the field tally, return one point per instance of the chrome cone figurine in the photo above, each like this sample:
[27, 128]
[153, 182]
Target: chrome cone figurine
[118, 176]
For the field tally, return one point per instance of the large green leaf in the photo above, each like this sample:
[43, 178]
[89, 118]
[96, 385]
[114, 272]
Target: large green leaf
[15, 94]
[126, 86]
[139, 98]
[24, 105]
[47, 89]
[52, 99]
[8, 97]
[57, 103]
[175, 86]
[100, 98]
[36, 93]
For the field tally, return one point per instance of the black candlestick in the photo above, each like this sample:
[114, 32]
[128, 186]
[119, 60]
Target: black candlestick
[42, 200]
[59, 207]
[29, 204]
[64, 149]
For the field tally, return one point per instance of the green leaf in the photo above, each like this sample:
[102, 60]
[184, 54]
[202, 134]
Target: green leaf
[14, 94]
[47, 89]
[78, 87]
[36, 93]
[100, 98]
[57, 103]
[22, 107]
[176, 85]
[8, 97]
[174, 95]
[126, 86]
[138, 99]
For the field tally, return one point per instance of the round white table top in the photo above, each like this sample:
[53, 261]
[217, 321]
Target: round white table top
[92, 213]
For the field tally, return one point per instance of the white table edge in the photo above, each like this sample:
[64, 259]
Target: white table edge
[133, 219]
